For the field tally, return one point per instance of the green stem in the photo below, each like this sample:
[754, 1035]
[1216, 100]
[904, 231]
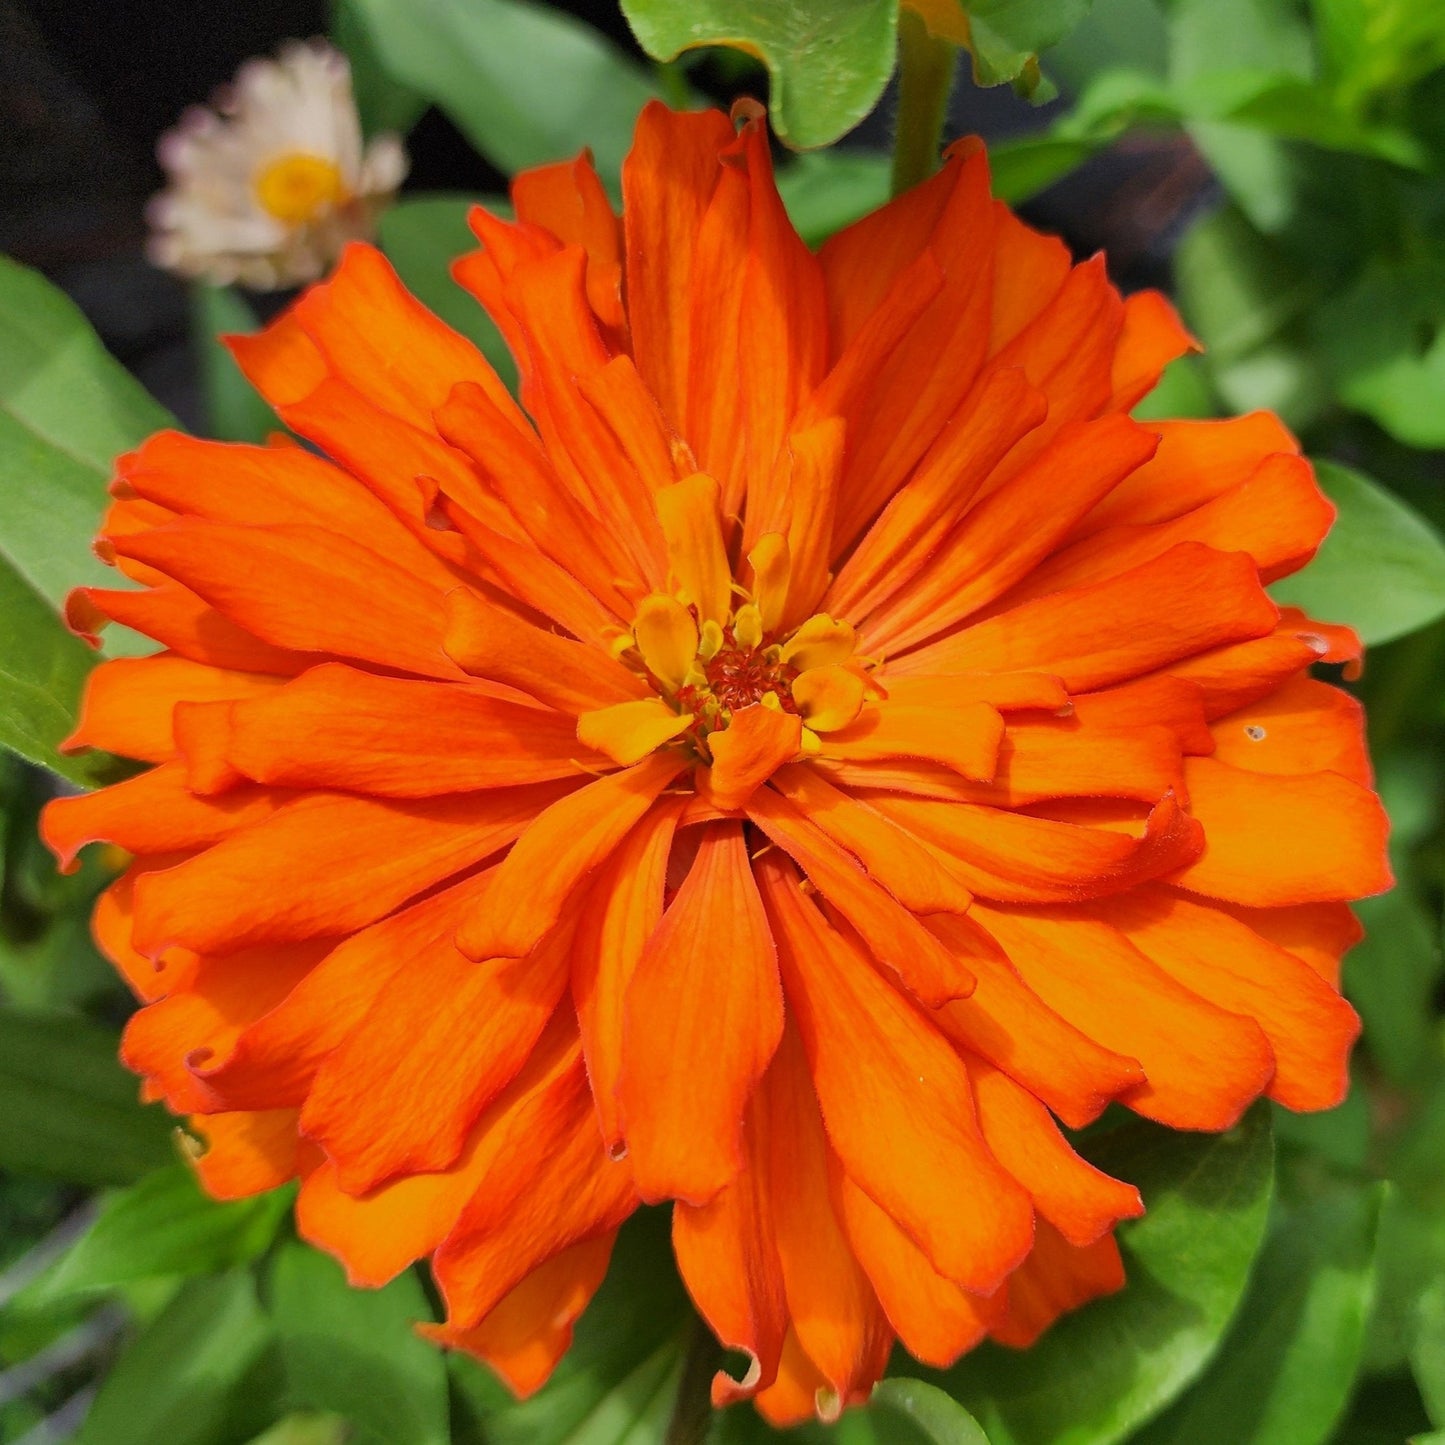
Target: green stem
[925, 78]
[692, 1410]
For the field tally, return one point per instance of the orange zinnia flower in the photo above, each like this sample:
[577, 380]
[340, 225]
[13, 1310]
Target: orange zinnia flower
[812, 742]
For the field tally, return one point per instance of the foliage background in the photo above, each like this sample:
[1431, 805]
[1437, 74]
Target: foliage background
[1279, 165]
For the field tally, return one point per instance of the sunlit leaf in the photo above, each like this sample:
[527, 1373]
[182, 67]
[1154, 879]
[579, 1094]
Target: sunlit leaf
[1381, 569]
[1287, 1366]
[189, 1379]
[164, 1226]
[828, 60]
[42, 671]
[1098, 1374]
[354, 1352]
[935, 1417]
[66, 410]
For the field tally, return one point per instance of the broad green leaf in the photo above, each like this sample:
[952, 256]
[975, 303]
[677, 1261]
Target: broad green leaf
[616, 1384]
[1338, 1136]
[1428, 1355]
[355, 1353]
[1245, 300]
[525, 84]
[190, 1379]
[1390, 978]
[235, 410]
[381, 102]
[307, 1429]
[1099, 1373]
[1285, 1371]
[42, 671]
[1183, 391]
[1412, 1237]
[827, 190]
[1381, 569]
[68, 1110]
[1130, 33]
[164, 1226]
[1238, 35]
[66, 410]
[828, 60]
[1385, 341]
[422, 236]
[1006, 36]
[1022, 168]
[901, 1411]
[934, 1417]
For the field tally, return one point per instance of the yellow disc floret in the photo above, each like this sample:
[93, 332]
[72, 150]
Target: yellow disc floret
[299, 188]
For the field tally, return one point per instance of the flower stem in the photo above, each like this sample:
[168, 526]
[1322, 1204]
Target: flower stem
[925, 77]
[692, 1410]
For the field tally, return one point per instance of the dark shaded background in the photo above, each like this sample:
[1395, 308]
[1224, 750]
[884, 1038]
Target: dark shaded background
[87, 86]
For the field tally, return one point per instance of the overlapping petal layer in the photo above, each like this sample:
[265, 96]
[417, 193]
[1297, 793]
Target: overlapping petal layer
[811, 741]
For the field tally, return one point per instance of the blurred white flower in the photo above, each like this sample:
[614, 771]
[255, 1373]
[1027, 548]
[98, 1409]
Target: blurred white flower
[270, 184]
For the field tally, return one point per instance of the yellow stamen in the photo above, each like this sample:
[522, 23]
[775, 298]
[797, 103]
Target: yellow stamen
[667, 639]
[819, 642]
[828, 697]
[299, 188]
[748, 626]
[772, 569]
[710, 641]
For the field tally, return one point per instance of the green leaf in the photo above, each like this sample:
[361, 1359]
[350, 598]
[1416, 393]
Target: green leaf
[1381, 569]
[1390, 978]
[1244, 299]
[42, 670]
[354, 1352]
[1287, 1367]
[523, 83]
[828, 60]
[936, 1418]
[1099, 1373]
[1207, 36]
[306, 1429]
[235, 410]
[1005, 36]
[187, 1379]
[165, 1226]
[67, 409]
[1021, 169]
[1338, 1136]
[616, 1384]
[382, 104]
[68, 1110]
[1428, 1355]
[1385, 340]
[827, 190]
[422, 235]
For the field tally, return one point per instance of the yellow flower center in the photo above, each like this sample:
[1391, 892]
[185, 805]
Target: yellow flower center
[298, 188]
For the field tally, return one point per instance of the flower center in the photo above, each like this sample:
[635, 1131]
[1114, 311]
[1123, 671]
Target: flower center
[738, 674]
[298, 188]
